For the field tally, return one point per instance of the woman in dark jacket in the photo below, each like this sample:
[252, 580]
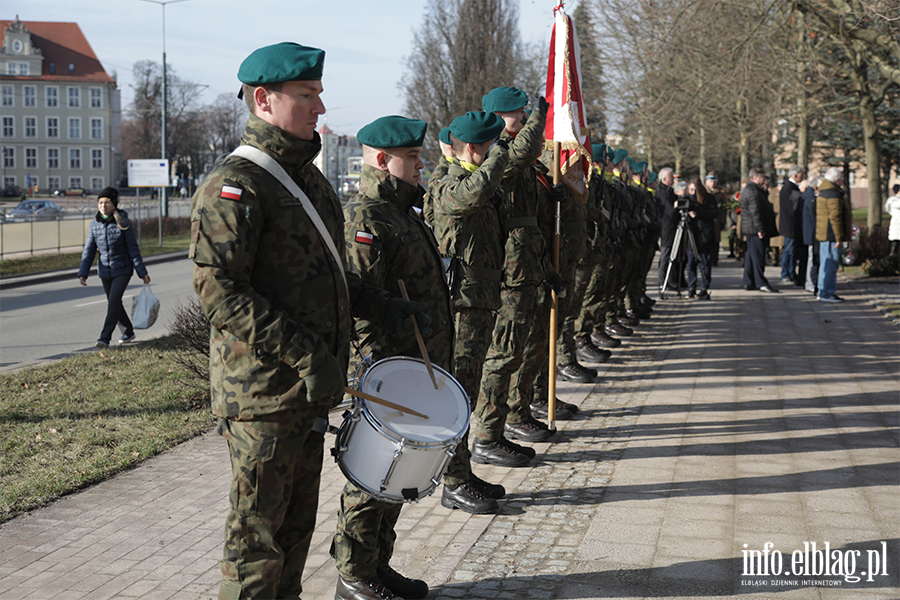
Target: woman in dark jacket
[703, 213]
[112, 236]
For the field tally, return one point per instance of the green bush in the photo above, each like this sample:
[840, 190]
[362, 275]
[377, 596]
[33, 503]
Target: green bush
[882, 267]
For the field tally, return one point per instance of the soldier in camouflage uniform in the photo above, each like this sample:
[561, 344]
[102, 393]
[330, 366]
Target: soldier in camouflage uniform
[386, 241]
[280, 317]
[440, 169]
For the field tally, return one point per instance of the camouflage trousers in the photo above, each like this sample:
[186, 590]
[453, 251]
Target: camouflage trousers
[504, 358]
[593, 308]
[529, 382]
[365, 534]
[274, 496]
[473, 338]
[570, 306]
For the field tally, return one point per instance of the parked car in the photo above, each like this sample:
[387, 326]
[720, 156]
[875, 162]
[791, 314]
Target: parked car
[34, 210]
[72, 192]
[12, 191]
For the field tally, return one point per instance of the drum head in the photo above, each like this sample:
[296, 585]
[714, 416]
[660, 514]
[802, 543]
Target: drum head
[405, 381]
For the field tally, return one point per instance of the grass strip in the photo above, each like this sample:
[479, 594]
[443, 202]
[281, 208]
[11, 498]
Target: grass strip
[76, 422]
[55, 262]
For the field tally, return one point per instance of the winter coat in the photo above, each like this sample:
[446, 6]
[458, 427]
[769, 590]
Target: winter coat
[790, 197]
[703, 226]
[892, 207]
[834, 217]
[117, 246]
[757, 213]
[808, 200]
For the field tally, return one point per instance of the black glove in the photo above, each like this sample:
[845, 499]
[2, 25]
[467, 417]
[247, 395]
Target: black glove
[326, 380]
[541, 104]
[501, 143]
[559, 193]
[397, 320]
[555, 282]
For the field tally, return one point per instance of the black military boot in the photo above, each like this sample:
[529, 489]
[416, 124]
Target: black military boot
[562, 411]
[468, 498]
[586, 351]
[411, 589]
[602, 339]
[498, 452]
[491, 490]
[639, 312]
[647, 301]
[618, 329]
[368, 589]
[531, 430]
[575, 373]
[526, 450]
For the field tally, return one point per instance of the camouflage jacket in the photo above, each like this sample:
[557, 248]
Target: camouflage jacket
[526, 258]
[386, 241]
[468, 228]
[440, 169]
[266, 281]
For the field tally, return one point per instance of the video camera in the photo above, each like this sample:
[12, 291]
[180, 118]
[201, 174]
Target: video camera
[682, 204]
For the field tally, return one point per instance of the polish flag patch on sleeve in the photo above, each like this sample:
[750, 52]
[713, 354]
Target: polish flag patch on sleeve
[364, 238]
[230, 192]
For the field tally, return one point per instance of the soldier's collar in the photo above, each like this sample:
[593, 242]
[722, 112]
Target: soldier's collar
[289, 150]
[380, 184]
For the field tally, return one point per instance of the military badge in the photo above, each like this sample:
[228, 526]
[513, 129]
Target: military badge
[230, 192]
[364, 238]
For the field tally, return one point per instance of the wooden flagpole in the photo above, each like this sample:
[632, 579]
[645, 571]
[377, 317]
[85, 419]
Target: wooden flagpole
[554, 303]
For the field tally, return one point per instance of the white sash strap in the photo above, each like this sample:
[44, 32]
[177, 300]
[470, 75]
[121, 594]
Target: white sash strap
[268, 163]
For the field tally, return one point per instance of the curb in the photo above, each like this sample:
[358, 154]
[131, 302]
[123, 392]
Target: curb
[8, 283]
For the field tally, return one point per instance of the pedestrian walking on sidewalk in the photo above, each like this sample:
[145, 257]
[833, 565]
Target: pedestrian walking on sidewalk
[112, 237]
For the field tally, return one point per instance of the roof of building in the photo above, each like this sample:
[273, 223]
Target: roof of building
[324, 129]
[60, 43]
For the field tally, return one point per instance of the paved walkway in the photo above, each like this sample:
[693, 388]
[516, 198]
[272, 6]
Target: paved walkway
[719, 428]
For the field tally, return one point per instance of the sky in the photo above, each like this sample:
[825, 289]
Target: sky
[365, 42]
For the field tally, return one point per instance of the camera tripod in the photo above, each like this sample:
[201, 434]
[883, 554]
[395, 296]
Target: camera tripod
[679, 253]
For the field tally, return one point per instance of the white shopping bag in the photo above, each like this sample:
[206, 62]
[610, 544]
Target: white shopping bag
[144, 309]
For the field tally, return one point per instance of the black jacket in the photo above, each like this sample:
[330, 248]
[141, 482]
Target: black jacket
[787, 217]
[668, 218]
[757, 213]
[703, 226]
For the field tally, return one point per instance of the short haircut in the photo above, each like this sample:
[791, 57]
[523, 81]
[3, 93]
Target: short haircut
[815, 181]
[248, 89]
[794, 170]
[756, 173]
[665, 171]
[458, 144]
[370, 155]
[680, 185]
[833, 174]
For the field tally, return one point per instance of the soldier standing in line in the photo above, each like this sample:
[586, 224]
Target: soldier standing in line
[440, 169]
[526, 264]
[271, 281]
[386, 242]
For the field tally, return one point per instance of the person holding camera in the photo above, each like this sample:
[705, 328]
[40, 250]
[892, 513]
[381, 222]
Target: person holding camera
[702, 212]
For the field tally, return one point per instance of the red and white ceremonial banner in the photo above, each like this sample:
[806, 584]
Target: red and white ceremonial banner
[565, 119]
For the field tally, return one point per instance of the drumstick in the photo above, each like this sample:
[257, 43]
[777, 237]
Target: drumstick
[383, 402]
[419, 339]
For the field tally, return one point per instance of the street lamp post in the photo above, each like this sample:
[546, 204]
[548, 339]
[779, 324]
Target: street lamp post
[164, 192]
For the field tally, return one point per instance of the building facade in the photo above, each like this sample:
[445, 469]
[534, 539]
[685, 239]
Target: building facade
[334, 159]
[60, 111]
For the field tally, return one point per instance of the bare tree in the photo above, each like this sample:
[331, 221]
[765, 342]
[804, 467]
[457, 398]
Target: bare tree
[225, 118]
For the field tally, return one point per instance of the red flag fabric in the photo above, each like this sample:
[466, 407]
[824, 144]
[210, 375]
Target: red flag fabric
[565, 119]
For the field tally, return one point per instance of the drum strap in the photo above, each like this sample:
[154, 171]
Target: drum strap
[255, 155]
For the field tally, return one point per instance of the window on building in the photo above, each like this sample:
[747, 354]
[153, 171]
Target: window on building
[74, 128]
[9, 181]
[23, 69]
[74, 97]
[97, 158]
[96, 129]
[9, 127]
[97, 183]
[52, 184]
[8, 96]
[52, 158]
[71, 68]
[75, 160]
[96, 97]
[52, 94]
[29, 95]
[9, 157]
[31, 159]
[30, 127]
[52, 127]
[15, 68]
[75, 182]
[51, 68]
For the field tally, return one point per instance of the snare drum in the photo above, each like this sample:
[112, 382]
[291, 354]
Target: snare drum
[392, 455]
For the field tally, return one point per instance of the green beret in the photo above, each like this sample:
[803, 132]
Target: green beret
[393, 132]
[504, 99]
[286, 61]
[444, 135]
[619, 155]
[599, 152]
[610, 152]
[476, 127]
[630, 161]
[640, 166]
[652, 177]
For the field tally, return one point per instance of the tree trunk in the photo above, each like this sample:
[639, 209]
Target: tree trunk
[873, 161]
[702, 153]
[745, 158]
[802, 132]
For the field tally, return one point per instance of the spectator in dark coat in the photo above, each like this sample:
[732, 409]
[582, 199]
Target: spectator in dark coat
[758, 224]
[668, 219]
[808, 201]
[703, 214]
[789, 198]
[112, 236]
